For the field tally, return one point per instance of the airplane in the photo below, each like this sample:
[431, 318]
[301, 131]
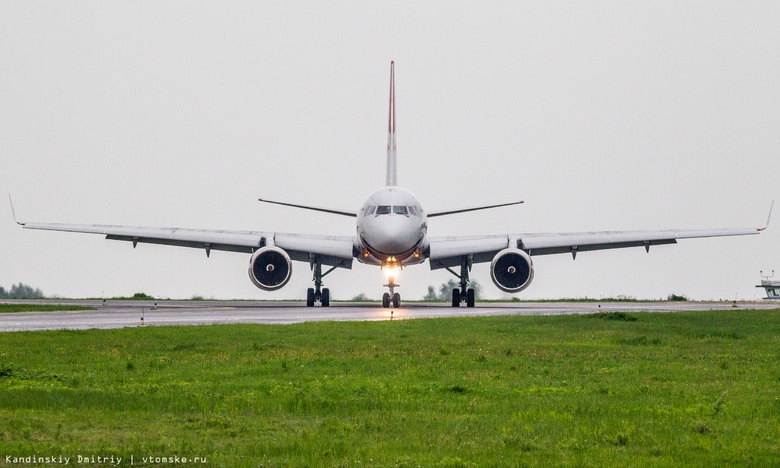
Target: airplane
[392, 234]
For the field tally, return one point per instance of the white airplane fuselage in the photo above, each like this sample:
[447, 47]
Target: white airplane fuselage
[391, 229]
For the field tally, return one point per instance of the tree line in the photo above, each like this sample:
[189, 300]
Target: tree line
[21, 291]
[445, 291]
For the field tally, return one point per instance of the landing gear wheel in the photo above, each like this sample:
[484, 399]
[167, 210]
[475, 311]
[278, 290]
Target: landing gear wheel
[470, 297]
[310, 297]
[318, 293]
[386, 300]
[464, 293]
[396, 300]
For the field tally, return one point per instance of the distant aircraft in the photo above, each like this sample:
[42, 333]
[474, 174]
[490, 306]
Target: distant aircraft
[392, 234]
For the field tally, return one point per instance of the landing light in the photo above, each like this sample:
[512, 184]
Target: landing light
[392, 272]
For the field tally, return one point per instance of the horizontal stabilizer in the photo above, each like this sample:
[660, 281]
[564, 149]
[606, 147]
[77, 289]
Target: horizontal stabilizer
[313, 208]
[475, 208]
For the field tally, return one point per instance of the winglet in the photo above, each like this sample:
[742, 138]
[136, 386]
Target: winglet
[392, 170]
[768, 217]
[13, 212]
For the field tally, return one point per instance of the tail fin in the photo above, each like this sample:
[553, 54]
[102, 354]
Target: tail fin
[392, 172]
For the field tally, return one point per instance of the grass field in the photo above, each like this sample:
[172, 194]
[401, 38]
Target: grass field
[699, 388]
[6, 308]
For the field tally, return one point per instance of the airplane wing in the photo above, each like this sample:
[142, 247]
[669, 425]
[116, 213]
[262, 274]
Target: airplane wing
[449, 251]
[331, 250]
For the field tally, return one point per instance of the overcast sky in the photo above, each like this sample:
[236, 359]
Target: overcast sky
[600, 115]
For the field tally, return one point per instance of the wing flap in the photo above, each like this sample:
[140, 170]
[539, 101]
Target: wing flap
[447, 252]
[552, 243]
[456, 246]
[182, 243]
[331, 250]
[247, 240]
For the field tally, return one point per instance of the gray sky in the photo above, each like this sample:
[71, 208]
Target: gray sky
[600, 115]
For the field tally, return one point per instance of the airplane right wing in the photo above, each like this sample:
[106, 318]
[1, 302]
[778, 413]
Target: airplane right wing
[330, 250]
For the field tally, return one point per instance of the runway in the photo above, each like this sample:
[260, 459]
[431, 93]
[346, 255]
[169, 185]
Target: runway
[122, 314]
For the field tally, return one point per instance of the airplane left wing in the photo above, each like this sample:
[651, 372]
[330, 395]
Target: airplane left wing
[449, 251]
[330, 250]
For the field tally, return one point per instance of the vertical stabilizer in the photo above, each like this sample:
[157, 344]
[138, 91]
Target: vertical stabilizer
[392, 172]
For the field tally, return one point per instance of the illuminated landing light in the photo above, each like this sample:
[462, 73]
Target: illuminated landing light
[392, 272]
[391, 267]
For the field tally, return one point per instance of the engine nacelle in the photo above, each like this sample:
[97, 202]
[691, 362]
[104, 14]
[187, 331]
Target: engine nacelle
[270, 268]
[512, 270]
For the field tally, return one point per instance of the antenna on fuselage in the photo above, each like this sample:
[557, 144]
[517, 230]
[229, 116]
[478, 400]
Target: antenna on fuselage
[392, 171]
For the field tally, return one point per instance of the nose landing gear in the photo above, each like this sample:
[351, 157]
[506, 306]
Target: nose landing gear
[391, 296]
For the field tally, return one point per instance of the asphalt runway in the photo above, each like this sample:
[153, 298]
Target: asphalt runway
[121, 314]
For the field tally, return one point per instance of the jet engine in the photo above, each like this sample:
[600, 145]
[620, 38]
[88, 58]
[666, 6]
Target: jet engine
[270, 268]
[512, 270]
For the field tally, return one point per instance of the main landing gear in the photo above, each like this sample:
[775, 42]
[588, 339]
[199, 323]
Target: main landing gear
[318, 293]
[392, 296]
[464, 293]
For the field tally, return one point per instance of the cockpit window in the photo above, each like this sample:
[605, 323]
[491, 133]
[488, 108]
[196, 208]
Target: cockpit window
[394, 209]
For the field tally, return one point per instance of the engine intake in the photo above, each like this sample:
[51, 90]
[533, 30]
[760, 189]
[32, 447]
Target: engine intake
[512, 270]
[270, 268]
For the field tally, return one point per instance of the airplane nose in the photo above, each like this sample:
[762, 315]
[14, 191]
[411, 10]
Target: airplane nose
[396, 235]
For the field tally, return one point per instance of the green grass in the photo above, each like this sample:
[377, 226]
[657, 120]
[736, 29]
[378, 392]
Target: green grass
[698, 388]
[5, 308]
